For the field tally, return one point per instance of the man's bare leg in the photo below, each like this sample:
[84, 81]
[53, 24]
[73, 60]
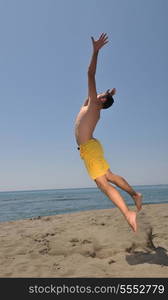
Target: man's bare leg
[117, 199]
[123, 184]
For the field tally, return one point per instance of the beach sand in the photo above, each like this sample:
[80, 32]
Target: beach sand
[87, 244]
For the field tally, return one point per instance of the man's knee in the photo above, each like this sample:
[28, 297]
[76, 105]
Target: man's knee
[102, 183]
[110, 176]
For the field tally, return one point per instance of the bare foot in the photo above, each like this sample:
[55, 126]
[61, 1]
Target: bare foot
[131, 219]
[138, 200]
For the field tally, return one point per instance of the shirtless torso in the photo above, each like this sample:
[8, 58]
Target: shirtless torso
[86, 121]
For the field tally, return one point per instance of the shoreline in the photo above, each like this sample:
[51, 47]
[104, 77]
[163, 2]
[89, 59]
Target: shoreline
[94, 243]
[78, 211]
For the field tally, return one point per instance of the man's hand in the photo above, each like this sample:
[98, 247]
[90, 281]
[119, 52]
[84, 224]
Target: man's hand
[98, 44]
[112, 92]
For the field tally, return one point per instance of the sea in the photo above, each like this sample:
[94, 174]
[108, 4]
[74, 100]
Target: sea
[19, 205]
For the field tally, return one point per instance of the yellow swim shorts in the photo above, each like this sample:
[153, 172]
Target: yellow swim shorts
[93, 155]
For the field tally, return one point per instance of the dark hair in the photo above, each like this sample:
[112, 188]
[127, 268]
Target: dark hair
[109, 101]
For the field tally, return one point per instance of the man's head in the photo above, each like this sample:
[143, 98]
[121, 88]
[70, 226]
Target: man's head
[107, 99]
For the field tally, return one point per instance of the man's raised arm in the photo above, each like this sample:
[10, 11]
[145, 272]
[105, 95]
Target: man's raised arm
[97, 45]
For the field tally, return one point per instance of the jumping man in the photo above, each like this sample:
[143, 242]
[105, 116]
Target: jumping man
[91, 150]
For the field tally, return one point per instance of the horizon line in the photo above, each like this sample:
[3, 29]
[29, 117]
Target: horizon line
[66, 188]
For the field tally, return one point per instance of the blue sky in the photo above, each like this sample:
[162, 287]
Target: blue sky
[44, 54]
